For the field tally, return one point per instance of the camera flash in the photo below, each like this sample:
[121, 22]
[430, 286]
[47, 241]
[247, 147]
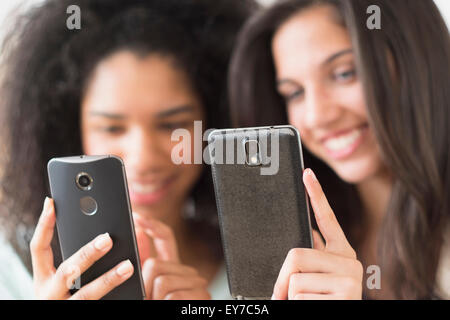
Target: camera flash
[252, 157]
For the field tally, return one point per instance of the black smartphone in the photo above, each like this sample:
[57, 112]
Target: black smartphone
[262, 204]
[90, 194]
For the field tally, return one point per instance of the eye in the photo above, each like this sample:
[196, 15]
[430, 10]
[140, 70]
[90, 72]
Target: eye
[294, 95]
[112, 129]
[173, 125]
[345, 76]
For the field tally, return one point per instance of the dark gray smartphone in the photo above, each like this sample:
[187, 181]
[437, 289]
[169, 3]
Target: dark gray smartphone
[91, 197]
[262, 204]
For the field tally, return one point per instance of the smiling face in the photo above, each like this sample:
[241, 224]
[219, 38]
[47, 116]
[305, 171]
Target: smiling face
[130, 108]
[316, 75]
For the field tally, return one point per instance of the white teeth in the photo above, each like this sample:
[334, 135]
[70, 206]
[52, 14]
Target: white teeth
[343, 141]
[145, 188]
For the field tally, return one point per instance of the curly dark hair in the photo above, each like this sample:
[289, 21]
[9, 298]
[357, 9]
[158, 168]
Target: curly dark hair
[47, 65]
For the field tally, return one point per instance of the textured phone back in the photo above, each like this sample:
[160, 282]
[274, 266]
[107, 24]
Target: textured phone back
[261, 216]
[75, 229]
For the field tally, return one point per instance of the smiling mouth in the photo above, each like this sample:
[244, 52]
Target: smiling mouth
[147, 187]
[149, 192]
[346, 143]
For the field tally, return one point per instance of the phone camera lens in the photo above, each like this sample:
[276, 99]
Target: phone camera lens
[84, 181]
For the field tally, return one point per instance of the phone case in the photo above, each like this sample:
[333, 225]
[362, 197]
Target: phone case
[261, 216]
[78, 223]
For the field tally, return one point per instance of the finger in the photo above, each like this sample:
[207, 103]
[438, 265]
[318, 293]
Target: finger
[147, 277]
[79, 262]
[326, 220]
[193, 294]
[40, 245]
[144, 245]
[165, 284]
[153, 268]
[163, 237]
[99, 287]
[319, 283]
[318, 242]
[311, 261]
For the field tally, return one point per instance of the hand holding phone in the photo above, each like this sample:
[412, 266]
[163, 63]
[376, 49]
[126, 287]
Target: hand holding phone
[331, 270]
[90, 196]
[52, 283]
[262, 204]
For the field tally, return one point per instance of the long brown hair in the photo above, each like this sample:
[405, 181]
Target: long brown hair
[408, 110]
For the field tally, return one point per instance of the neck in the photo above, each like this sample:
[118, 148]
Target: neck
[375, 193]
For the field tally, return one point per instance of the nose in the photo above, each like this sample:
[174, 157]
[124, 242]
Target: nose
[142, 153]
[320, 108]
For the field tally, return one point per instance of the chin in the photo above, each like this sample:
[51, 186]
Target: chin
[356, 172]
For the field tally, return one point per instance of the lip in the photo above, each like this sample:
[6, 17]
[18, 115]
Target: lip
[148, 198]
[349, 150]
[340, 132]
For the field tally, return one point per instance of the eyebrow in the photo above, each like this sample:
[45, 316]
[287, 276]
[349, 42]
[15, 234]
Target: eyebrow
[107, 115]
[174, 111]
[162, 114]
[326, 61]
[337, 55]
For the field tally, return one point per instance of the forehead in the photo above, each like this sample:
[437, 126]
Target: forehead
[127, 81]
[309, 37]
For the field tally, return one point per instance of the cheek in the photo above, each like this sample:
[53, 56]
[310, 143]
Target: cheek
[353, 101]
[92, 142]
[192, 151]
[189, 174]
[96, 144]
[89, 143]
[294, 118]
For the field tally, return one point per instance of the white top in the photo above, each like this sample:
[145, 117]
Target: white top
[219, 286]
[15, 280]
[443, 272]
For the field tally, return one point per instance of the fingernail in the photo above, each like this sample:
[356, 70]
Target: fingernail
[103, 241]
[70, 271]
[46, 209]
[273, 297]
[311, 173]
[46, 203]
[125, 268]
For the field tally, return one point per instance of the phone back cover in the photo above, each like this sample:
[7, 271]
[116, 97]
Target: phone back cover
[261, 216]
[75, 229]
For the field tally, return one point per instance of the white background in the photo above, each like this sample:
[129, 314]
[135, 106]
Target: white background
[9, 7]
[444, 6]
